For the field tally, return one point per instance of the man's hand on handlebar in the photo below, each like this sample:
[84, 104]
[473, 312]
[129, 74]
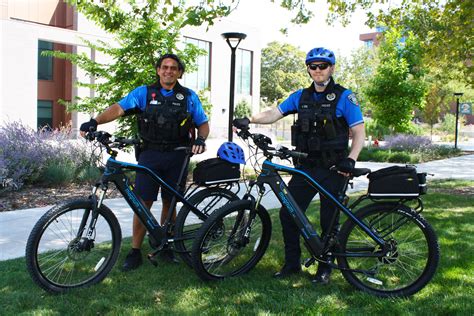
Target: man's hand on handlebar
[199, 145]
[88, 127]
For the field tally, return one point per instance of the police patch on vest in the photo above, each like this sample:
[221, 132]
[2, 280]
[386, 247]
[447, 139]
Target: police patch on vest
[353, 99]
[179, 96]
[331, 96]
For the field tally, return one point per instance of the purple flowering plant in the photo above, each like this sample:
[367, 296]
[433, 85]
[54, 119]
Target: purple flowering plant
[405, 142]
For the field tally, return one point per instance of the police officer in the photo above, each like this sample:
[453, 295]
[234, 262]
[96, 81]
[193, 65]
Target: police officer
[167, 114]
[327, 112]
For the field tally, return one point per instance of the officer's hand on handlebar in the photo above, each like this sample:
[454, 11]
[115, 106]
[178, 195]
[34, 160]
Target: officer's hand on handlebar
[346, 166]
[199, 145]
[241, 123]
[87, 127]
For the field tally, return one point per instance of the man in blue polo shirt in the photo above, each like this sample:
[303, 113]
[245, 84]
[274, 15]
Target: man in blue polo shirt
[167, 113]
[327, 113]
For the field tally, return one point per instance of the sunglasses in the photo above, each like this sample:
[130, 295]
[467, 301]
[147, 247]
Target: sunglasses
[320, 66]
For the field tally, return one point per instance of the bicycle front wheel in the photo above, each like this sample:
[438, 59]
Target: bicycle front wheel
[232, 241]
[409, 264]
[60, 255]
[187, 223]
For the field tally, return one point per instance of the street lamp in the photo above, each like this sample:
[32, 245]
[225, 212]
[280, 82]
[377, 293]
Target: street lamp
[457, 95]
[233, 40]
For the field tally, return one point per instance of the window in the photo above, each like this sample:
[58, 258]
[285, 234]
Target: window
[243, 72]
[199, 79]
[45, 113]
[45, 64]
[369, 43]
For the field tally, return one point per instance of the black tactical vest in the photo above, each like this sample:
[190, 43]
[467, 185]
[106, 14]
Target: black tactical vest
[317, 130]
[165, 123]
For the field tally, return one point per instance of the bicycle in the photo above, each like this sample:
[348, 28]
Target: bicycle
[75, 244]
[385, 248]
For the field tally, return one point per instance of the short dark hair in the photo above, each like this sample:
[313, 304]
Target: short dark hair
[172, 56]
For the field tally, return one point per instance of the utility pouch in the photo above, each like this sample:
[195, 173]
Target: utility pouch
[294, 134]
[329, 129]
[305, 125]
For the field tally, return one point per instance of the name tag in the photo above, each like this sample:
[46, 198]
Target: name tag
[154, 102]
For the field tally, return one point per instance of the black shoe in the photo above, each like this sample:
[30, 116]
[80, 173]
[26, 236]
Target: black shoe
[323, 275]
[167, 254]
[133, 260]
[286, 271]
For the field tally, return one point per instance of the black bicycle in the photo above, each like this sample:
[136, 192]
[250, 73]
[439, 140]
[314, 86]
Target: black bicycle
[385, 247]
[76, 244]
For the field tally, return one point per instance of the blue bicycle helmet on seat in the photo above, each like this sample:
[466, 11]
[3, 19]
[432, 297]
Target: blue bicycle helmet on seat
[231, 152]
[320, 54]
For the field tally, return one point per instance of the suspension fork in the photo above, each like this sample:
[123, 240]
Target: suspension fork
[96, 204]
[255, 203]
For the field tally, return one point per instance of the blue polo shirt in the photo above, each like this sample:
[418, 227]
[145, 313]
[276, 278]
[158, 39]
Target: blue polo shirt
[347, 106]
[137, 99]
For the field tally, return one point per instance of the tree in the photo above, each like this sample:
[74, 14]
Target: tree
[397, 88]
[141, 33]
[355, 73]
[282, 72]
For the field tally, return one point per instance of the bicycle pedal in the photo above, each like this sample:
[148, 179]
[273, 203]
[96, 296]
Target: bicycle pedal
[308, 262]
[152, 258]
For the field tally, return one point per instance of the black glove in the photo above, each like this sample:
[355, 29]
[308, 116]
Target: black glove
[241, 123]
[200, 141]
[90, 126]
[346, 165]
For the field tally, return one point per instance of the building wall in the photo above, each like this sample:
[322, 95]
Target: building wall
[19, 48]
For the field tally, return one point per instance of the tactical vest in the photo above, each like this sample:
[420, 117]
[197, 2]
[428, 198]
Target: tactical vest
[317, 130]
[165, 123]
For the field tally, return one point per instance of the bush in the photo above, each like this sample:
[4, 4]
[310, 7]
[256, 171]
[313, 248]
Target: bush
[242, 109]
[375, 129]
[399, 157]
[30, 156]
[406, 142]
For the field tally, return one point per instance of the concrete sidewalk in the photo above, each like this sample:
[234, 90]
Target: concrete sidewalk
[16, 226]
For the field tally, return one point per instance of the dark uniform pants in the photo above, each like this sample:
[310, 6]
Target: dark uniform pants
[303, 193]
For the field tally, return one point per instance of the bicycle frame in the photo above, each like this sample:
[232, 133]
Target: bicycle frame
[114, 172]
[270, 175]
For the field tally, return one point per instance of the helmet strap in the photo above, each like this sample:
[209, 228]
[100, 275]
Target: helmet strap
[324, 84]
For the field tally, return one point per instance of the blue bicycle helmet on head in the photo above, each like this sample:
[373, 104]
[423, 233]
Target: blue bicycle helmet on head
[320, 54]
[231, 152]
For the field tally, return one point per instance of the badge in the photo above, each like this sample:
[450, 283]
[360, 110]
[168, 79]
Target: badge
[353, 99]
[180, 96]
[331, 97]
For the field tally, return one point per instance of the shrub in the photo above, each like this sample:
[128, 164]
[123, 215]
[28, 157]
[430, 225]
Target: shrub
[242, 109]
[380, 155]
[400, 157]
[375, 129]
[411, 143]
[29, 156]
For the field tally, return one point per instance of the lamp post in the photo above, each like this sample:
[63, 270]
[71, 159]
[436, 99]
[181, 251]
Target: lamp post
[457, 95]
[233, 40]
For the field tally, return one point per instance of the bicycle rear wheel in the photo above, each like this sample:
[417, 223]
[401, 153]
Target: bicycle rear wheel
[411, 261]
[232, 241]
[59, 254]
[187, 223]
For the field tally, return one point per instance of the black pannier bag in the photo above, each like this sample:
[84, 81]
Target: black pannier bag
[215, 170]
[397, 182]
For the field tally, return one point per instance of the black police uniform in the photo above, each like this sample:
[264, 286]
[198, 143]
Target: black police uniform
[325, 138]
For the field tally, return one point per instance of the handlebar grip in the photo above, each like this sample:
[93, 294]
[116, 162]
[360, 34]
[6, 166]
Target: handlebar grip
[298, 155]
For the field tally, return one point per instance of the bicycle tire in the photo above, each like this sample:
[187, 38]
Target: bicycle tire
[221, 248]
[187, 223]
[406, 269]
[57, 260]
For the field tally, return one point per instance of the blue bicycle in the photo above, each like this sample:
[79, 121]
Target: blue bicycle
[76, 243]
[385, 247]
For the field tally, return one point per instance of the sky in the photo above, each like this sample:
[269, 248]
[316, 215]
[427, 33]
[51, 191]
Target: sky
[269, 18]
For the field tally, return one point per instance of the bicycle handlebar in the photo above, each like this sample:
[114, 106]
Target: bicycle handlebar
[263, 142]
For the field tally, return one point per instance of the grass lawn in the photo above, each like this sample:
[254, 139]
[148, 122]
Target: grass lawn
[176, 290]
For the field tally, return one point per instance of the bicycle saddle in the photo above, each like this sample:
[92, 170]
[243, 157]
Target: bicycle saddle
[357, 172]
